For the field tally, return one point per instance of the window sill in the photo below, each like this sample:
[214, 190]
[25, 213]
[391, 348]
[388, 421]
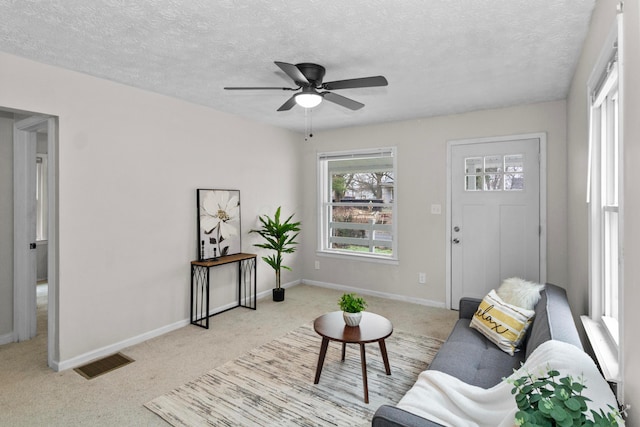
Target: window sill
[604, 348]
[351, 257]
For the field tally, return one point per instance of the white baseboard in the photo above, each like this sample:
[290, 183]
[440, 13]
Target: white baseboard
[114, 348]
[386, 295]
[7, 338]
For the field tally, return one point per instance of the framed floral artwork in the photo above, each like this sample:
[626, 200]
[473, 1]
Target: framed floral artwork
[218, 223]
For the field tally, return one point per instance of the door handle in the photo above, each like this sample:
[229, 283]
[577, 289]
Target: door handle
[32, 245]
[456, 241]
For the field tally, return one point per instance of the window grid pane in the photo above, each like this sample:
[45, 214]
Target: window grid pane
[610, 255]
[610, 264]
[494, 173]
[41, 197]
[361, 227]
[611, 153]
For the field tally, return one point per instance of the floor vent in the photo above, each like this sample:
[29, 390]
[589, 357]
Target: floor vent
[104, 365]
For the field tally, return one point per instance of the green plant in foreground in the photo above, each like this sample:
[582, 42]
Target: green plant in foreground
[352, 303]
[553, 401]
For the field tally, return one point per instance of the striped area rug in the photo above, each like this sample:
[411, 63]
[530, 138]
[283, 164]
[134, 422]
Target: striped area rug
[273, 384]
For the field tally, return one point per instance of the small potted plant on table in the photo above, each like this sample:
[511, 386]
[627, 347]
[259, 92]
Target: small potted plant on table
[352, 306]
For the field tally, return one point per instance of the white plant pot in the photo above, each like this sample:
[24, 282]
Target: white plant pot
[352, 319]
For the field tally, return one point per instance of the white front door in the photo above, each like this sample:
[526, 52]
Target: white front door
[495, 215]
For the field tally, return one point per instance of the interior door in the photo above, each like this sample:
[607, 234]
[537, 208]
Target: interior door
[24, 244]
[495, 215]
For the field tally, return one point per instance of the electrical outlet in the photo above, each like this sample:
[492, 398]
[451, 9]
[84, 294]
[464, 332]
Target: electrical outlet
[422, 278]
[317, 265]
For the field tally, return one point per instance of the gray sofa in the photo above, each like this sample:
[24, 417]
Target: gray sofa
[469, 356]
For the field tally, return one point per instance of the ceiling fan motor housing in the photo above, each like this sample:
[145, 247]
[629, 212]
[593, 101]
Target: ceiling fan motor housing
[313, 72]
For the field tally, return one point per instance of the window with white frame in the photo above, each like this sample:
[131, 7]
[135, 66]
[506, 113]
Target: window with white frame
[41, 197]
[604, 197]
[357, 202]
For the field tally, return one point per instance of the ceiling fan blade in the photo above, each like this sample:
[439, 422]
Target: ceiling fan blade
[293, 72]
[356, 83]
[288, 105]
[259, 88]
[341, 100]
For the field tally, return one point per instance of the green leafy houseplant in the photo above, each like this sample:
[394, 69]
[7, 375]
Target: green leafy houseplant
[553, 401]
[352, 303]
[279, 237]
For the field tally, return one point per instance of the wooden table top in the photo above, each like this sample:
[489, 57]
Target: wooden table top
[223, 260]
[373, 327]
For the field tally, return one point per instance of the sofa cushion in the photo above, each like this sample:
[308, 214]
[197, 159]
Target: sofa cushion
[471, 357]
[503, 324]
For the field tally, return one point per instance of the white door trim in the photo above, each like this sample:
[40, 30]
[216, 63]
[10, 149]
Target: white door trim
[542, 136]
[23, 130]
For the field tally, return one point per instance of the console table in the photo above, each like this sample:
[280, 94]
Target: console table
[201, 281]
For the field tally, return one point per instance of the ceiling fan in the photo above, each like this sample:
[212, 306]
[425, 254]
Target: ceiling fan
[308, 78]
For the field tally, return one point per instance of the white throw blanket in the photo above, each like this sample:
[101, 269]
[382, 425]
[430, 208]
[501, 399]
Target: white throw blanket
[446, 400]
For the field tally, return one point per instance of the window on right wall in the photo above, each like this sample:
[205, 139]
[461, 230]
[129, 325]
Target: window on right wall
[604, 197]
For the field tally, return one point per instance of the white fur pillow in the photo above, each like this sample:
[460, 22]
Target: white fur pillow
[519, 292]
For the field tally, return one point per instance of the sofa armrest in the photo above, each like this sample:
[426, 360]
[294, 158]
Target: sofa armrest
[468, 307]
[390, 416]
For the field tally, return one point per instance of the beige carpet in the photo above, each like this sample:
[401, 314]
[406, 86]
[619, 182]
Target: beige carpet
[273, 384]
[31, 394]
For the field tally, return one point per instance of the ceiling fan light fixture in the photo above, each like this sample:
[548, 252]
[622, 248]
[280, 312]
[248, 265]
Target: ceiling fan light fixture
[308, 99]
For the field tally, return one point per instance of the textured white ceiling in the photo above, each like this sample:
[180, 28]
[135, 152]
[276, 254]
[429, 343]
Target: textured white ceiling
[440, 57]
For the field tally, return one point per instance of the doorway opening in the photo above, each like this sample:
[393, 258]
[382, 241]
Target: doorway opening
[33, 275]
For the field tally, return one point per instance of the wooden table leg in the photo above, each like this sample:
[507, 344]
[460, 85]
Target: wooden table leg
[385, 358]
[363, 359]
[323, 353]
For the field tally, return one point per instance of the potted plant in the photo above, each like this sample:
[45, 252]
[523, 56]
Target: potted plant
[352, 306]
[553, 401]
[280, 237]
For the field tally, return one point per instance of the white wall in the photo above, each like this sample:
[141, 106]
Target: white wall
[129, 164]
[421, 181]
[602, 22]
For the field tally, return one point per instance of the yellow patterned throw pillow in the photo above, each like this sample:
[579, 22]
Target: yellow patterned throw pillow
[504, 324]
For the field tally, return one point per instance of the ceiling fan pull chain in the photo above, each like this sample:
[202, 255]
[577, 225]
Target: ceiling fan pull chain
[308, 126]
